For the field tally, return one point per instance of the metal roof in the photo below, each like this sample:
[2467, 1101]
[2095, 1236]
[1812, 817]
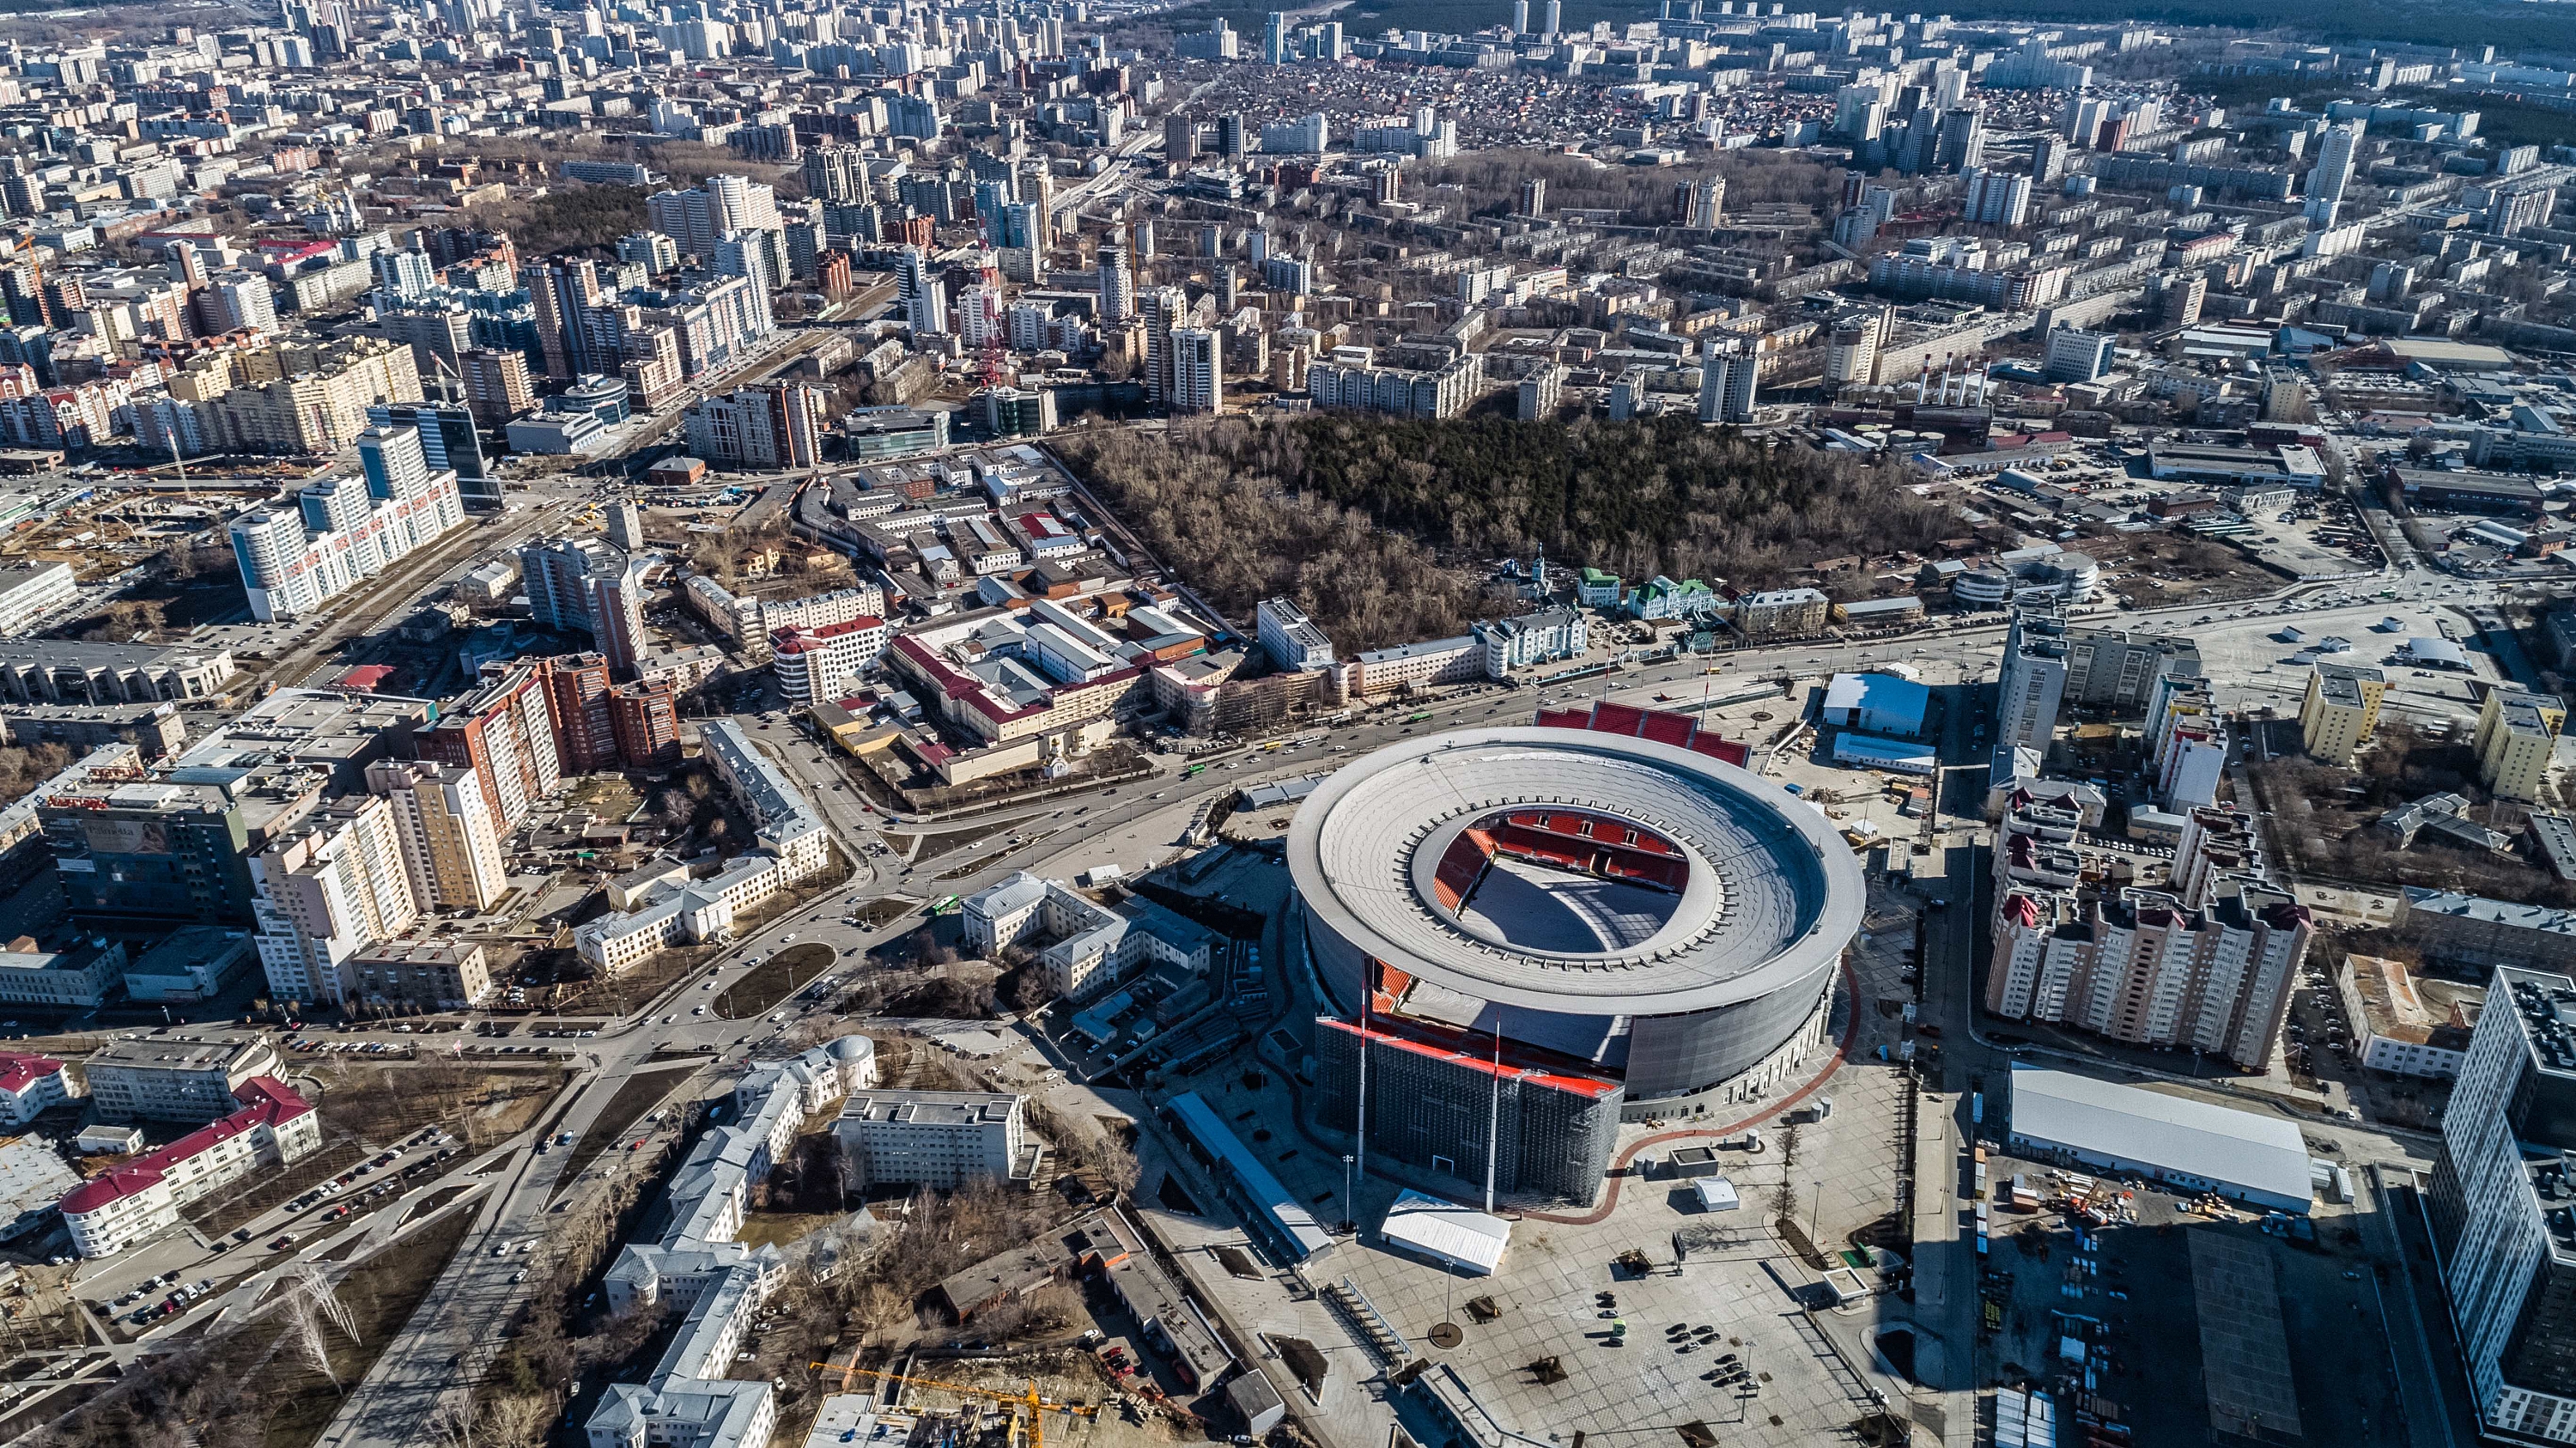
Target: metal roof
[2263, 1155]
[1446, 1232]
[1772, 894]
[1288, 1216]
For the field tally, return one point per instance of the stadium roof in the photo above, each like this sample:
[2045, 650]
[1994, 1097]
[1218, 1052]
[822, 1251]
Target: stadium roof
[2262, 1157]
[1767, 892]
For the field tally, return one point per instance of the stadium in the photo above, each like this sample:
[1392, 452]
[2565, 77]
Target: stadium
[1612, 926]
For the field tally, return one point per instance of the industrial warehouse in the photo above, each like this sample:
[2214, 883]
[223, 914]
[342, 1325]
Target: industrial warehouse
[2259, 1160]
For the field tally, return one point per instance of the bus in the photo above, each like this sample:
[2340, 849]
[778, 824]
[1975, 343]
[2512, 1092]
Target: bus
[945, 904]
[1193, 771]
[1418, 718]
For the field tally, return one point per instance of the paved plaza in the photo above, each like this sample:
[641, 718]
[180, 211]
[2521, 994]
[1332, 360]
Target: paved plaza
[1738, 1277]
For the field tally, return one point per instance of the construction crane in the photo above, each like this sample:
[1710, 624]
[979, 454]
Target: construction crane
[1027, 1398]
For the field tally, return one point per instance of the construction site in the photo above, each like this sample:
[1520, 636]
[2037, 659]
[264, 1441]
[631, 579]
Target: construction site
[1059, 1397]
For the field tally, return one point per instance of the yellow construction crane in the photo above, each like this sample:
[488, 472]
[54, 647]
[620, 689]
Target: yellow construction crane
[1027, 1398]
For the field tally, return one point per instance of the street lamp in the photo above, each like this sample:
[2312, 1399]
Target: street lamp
[1348, 1220]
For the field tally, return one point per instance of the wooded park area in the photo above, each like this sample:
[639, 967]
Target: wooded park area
[1385, 527]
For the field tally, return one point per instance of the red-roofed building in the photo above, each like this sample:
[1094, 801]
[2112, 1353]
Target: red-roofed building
[29, 1084]
[112, 1212]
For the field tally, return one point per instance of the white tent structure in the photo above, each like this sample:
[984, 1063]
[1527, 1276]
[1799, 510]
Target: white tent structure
[1456, 1237]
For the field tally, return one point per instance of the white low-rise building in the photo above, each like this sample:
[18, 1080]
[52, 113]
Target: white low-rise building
[31, 1084]
[935, 1138]
[793, 844]
[1533, 638]
[698, 1267]
[1090, 946]
[30, 591]
[690, 913]
[273, 1128]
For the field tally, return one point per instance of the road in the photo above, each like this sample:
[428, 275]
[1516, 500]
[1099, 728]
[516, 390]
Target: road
[413, 1380]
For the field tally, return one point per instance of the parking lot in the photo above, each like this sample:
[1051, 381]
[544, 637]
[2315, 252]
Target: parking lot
[2190, 1325]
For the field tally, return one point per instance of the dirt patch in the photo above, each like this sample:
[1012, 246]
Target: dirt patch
[879, 913]
[481, 1104]
[1061, 1376]
[431, 1203]
[782, 1229]
[774, 980]
[2163, 568]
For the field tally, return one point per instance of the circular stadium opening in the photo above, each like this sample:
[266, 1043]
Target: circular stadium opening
[1556, 880]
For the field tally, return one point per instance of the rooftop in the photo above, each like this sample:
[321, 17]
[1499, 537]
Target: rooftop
[319, 726]
[2397, 1010]
[2219, 1143]
[266, 1102]
[168, 1053]
[931, 1108]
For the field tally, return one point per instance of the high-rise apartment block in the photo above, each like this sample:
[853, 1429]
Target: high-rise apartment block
[2516, 739]
[2144, 968]
[1198, 371]
[2341, 710]
[496, 385]
[768, 425]
[344, 530]
[1726, 386]
[504, 731]
[451, 840]
[334, 887]
[2503, 1206]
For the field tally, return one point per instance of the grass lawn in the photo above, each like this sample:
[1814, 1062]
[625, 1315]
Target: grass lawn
[774, 980]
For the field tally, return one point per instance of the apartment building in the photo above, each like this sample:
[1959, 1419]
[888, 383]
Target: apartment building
[1782, 613]
[2503, 1205]
[335, 886]
[30, 591]
[2116, 669]
[2517, 735]
[2472, 930]
[425, 975]
[344, 530]
[310, 401]
[820, 663]
[272, 1127]
[2143, 968]
[166, 1079]
[505, 732]
[2341, 710]
[768, 425]
[644, 719]
[450, 839]
[934, 1138]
